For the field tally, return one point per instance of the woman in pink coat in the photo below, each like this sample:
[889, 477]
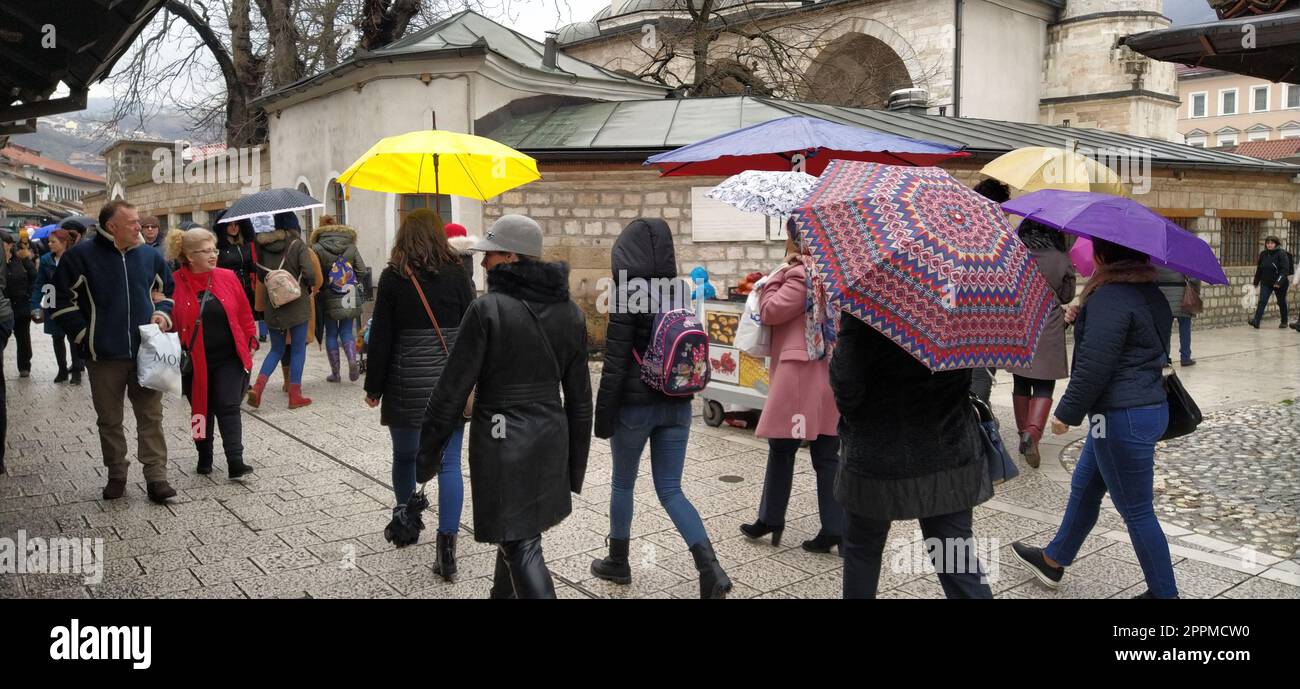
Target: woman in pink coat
[800, 405]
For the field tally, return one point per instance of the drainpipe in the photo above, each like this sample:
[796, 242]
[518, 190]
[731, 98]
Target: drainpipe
[548, 55]
[956, 76]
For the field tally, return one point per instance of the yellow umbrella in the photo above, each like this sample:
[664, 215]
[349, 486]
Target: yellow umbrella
[434, 161]
[1042, 167]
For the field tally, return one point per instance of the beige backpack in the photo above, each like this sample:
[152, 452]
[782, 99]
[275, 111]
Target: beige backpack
[282, 286]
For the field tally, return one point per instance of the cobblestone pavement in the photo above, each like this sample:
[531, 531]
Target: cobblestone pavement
[311, 523]
[1236, 479]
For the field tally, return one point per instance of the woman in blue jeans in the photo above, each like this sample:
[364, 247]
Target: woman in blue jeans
[423, 293]
[278, 248]
[630, 414]
[1121, 336]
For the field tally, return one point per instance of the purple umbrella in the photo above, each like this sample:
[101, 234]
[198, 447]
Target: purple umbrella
[1125, 222]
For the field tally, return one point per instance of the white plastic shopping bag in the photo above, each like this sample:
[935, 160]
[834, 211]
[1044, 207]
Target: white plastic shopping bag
[1249, 297]
[752, 337]
[158, 364]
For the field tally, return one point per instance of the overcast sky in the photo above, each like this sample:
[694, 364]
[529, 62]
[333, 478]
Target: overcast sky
[535, 17]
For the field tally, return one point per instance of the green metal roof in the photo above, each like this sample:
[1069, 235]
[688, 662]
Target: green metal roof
[642, 127]
[467, 32]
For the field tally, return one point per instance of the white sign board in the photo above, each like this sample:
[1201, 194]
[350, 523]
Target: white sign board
[714, 221]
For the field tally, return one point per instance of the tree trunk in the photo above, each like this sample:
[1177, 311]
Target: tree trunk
[384, 21]
[700, 50]
[239, 117]
[285, 63]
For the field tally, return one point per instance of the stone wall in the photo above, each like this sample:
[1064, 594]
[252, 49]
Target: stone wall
[169, 200]
[582, 210]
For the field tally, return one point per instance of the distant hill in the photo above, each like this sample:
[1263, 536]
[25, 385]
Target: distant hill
[80, 146]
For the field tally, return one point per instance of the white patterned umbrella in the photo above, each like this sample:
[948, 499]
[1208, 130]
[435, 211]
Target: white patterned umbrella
[763, 191]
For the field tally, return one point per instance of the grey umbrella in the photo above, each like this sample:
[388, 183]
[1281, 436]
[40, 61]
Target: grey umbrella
[269, 202]
[85, 222]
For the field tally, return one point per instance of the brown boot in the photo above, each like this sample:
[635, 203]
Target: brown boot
[160, 491]
[295, 397]
[115, 489]
[255, 393]
[285, 370]
[1039, 408]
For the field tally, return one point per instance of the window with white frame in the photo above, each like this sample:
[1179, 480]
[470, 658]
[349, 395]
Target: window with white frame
[1228, 102]
[1197, 107]
[1257, 135]
[1291, 99]
[1259, 98]
[1290, 133]
[1227, 138]
[1196, 141]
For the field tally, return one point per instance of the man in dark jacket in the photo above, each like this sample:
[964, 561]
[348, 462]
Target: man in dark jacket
[103, 290]
[521, 344]
[1272, 276]
[151, 231]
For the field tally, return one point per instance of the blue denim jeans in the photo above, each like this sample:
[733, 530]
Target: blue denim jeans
[1184, 337]
[666, 425]
[339, 332]
[451, 485]
[1119, 458]
[297, 352]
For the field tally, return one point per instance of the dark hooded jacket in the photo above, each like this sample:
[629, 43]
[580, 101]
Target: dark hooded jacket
[642, 253]
[236, 255]
[1274, 268]
[527, 446]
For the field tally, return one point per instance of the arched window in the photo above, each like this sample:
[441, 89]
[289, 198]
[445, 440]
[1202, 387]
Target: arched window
[335, 202]
[306, 218]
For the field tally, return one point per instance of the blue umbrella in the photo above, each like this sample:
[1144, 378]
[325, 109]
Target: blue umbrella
[1125, 222]
[772, 145]
[43, 232]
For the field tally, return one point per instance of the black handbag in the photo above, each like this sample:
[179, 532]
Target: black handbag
[1184, 415]
[1000, 465]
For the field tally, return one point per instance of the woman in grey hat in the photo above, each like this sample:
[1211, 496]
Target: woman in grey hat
[519, 346]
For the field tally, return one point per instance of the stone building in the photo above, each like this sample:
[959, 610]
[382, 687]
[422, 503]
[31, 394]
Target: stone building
[1047, 61]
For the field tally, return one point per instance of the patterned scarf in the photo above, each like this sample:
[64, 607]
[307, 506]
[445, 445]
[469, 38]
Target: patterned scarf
[821, 327]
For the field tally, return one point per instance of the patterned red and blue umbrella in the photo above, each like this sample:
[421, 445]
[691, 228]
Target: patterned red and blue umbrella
[926, 261]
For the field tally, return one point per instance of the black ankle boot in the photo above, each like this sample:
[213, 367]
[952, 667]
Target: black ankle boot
[62, 377]
[445, 565]
[822, 543]
[615, 566]
[237, 470]
[760, 529]
[714, 582]
[75, 379]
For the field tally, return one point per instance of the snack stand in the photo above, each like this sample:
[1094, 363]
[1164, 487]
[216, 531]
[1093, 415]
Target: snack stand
[737, 377]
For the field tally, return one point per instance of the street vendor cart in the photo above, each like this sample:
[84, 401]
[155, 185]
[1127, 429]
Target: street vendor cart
[737, 377]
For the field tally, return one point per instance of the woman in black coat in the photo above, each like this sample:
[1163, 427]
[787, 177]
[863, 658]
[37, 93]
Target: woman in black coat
[407, 357]
[20, 278]
[235, 252]
[911, 450]
[1272, 276]
[1121, 345]
[522, 344]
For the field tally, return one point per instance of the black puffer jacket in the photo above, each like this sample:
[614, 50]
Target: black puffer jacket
[406, 357]
[1274, 268]
[1120, 336]
[644, 251]
[911, 444]
[236, 255]
[527, 448]
[20, 277]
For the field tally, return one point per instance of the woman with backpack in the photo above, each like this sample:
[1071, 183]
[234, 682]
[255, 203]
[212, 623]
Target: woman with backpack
[287, 274]
[409, 348]
[800, 405]
[630, 413]
[336, 247]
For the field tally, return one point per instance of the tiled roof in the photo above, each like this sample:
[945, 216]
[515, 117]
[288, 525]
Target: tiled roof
[1278, 149]
[22, 157]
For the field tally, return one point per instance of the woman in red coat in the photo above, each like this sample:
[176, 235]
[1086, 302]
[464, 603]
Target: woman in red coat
[216, 328]
[800, 405]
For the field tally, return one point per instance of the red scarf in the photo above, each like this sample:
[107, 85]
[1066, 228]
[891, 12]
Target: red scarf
[188, 301]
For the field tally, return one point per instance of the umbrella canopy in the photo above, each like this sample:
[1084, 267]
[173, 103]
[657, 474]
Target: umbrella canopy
[773, 145]
[1125, 222]
[85, 222]
[1045, 167]
[43, 232]
[271, 201]
[929, 263]
[1081, 256]
[763, 191]
[434, 161]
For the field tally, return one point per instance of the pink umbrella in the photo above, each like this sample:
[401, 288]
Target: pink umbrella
[1081, 256]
